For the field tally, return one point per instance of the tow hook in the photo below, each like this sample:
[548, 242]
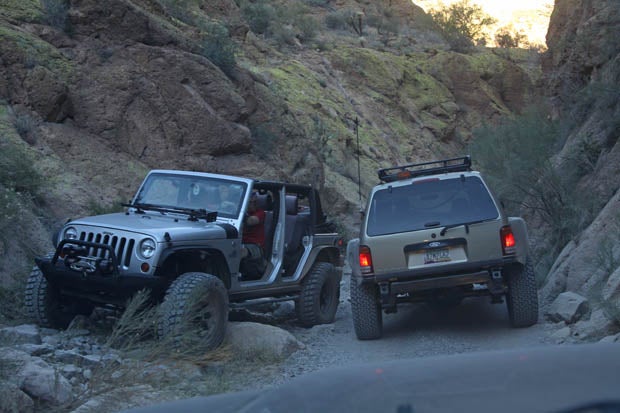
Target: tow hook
[388, 301]
[496, 287]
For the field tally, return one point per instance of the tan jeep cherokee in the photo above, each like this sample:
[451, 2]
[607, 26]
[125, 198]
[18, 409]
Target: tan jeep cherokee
[433, 232]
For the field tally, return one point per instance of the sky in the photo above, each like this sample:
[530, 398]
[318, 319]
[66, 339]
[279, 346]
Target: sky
[532, 16]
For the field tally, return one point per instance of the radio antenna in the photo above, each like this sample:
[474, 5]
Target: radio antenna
[359, 174]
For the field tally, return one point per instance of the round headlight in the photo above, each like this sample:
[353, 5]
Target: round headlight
[70, 233]
[147, 248]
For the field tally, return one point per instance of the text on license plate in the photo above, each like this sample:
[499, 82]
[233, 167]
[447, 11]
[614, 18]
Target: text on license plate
[437, 255]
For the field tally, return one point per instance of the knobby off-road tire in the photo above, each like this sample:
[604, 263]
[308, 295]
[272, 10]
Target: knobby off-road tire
[43, 303]
[522, 296]
[366, 311]
[194, 312]
[320, 295]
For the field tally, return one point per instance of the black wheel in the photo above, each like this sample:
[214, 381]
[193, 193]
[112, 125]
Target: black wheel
[194, 312]
[366, 311]
[522, 295]
[320, 295]
[43, 302]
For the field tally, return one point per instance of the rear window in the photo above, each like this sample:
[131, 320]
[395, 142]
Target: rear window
[429, 203]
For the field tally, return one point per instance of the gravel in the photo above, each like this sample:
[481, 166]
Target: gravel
[417, 330]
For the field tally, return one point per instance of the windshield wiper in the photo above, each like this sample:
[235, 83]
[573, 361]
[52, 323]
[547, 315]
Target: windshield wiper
[194, 214]
[140, 208]
[467, 224]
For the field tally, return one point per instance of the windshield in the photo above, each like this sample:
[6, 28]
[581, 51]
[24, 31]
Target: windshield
[430, 203]
[195, 192]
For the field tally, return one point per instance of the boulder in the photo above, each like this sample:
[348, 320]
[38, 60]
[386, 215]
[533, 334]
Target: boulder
[568, 307]
[40, 380]
[611, 339]
[23, 334]
[121, 399]
[611, 289]
[261, 341]
[561, 335]
[597, 327]
[13, 400]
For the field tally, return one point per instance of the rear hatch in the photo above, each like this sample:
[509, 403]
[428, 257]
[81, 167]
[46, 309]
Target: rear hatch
[432, 222]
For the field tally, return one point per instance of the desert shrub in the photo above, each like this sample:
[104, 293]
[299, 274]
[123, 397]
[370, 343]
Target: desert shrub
[264, 139]
[11, 301]
[515, 156]
[336, 20]
[136, 332]
[55, 13]
[316, 3]
[219, 48]
[283, 35]
[307, 27]
[182, 10]
[25, 125]
[259, 15]
[17, 173]
[508, 36]
[462, 23]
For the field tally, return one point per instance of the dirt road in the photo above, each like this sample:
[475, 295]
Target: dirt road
[417, 330]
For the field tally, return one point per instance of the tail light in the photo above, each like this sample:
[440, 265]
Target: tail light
[365, 260]
[509, 245]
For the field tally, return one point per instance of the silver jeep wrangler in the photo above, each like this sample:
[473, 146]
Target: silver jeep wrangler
[182, 233]
[434, 232]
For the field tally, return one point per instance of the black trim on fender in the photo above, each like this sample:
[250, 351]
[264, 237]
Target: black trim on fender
[231, 231]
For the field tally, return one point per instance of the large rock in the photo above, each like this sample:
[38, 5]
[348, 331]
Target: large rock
[581, 39]
[261, 341]
[121, 399]
[568, 307]
[40, 380]
[13, 400]
[611, 289]
[36, 377]
[23, 334]
[584, 264]
[598, 326]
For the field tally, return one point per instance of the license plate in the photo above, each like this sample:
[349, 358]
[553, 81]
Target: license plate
[437, 255]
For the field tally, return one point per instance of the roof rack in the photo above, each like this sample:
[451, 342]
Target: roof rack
[397, 173]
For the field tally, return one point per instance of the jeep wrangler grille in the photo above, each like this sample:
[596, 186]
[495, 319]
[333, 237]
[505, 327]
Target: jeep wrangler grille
[123, 247]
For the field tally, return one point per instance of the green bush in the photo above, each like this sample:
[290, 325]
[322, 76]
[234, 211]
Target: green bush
[259, 16]
[182, 10]
[55, 13]
[307, 27]
[219, 48]
[508, 36]
[26, 126]
[462, 23]
[337, 20]
[264, 140]
[515, 156]
[17, 173]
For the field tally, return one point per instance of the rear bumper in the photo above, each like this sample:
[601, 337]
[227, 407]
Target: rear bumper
[446, 281]
[420, 282]
[434, 273]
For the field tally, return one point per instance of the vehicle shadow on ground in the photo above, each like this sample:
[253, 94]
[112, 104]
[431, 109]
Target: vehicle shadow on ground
[473, 315]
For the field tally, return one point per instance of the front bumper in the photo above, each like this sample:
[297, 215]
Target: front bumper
[97, 286]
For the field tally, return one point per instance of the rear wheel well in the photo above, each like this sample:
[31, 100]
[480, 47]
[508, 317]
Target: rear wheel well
[209, 261]
[331, 255]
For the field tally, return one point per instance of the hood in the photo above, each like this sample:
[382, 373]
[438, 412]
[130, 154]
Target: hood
[154, 224]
